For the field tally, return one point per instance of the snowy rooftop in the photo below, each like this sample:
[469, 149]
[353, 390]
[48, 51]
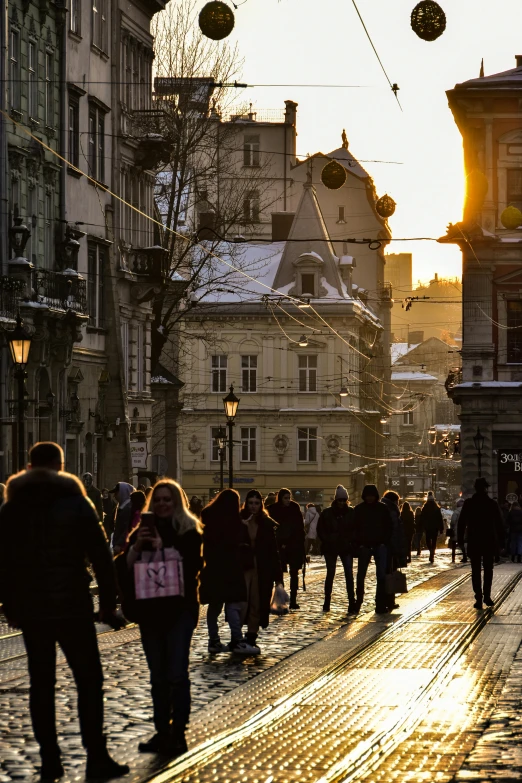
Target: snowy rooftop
[412, 376]
[400, 349]
[490, 385]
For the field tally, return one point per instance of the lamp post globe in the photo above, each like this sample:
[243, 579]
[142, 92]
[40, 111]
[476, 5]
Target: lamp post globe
[231, 404]
[20, 345]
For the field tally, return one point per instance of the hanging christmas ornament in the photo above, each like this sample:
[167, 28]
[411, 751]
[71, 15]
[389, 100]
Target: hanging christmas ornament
[428, 20]
[385, 206]
[511, 218]
[333, 176]
[216, 20]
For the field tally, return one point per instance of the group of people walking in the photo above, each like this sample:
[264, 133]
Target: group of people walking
[166, 559]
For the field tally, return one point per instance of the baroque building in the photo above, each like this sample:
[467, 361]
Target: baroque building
[488, 113]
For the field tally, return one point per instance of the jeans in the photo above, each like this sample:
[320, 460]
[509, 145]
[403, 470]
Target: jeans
[167, 650]
[214, 610]
[234, 613]
[331, 567]
[294, 584]
[476, 581]
[77, 638]
[431, 540]
[380, 555]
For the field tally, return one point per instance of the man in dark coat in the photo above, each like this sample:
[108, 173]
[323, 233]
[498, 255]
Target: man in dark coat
[336, 532]
[290, 538]
[373, 530]
[432, 523]
[49, 530]
[94, 494]
[481, 520]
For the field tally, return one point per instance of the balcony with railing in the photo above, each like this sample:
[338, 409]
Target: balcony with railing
[11, 292]
[454, 378]
[59, 290]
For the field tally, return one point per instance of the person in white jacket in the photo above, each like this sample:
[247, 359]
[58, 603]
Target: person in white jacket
[310, 523]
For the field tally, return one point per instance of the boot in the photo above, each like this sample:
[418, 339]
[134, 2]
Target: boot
[326, 605]
[176, 744]
[293, 600]
[51, 764]
[156, 744]
[101, 766]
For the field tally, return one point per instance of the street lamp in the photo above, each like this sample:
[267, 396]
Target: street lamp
[222, 444]
[478, 442]
[303, 341]
[343, 392]
[231, 403]
[20, 344]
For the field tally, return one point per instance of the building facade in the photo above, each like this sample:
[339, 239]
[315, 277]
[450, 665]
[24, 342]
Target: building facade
[488, 114]
[310, 397]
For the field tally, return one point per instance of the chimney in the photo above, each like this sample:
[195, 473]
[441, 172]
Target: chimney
[346, 265]
[290, 112]
[518, 58]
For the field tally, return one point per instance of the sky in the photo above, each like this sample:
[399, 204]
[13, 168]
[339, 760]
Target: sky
[300, 42]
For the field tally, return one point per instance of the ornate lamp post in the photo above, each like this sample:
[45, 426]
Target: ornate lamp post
[478, 442]
[20, 344]
[231, 403]
[222, 445]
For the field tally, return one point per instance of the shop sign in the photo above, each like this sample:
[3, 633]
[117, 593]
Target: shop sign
[237, 479]
[509, 475]
[139, 454]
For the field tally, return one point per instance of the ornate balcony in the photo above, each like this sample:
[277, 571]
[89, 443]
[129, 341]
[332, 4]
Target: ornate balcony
[11, 292]
[454, 378]
[59, 290]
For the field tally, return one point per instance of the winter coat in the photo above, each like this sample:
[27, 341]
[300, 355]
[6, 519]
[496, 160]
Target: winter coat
[123, 519]
[290, 533]
[163, 612]
[49, 531]
[95, 496]
[336, 530]
[481, 522]
[109, 514]
[397, 544]
[310, 522]
[373, 524]
[265, 558]
[454, 524]
[222, 578]
[431, 520]
[408, 524]
[514, 521]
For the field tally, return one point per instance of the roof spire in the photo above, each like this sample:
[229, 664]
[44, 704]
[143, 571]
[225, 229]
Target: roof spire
[481, 74]
[345, 139]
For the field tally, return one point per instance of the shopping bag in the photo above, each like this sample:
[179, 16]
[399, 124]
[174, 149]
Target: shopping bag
[279, 602]
[159, 577]
[396, 583]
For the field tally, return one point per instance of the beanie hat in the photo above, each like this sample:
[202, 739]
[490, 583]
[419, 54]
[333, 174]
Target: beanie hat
[370, 489]
[341, 493]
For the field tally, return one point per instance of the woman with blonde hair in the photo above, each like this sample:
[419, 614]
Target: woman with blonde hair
[168, 542]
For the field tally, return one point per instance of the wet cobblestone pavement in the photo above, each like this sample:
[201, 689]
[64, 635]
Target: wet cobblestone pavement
[321, 690]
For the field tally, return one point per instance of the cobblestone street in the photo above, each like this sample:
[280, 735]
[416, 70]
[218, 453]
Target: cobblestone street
[320, 702]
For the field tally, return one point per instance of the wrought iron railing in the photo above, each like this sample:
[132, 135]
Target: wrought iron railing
[152, 262]
[10, 294]
[60, 291]
[454, 378]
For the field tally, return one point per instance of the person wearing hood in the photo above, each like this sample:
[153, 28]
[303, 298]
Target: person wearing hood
[290, 538]
[432, 523]
[94, 494]
[166, 623]
[373, 530]
[480, 523]
[50, 532]
[336, 533]
[122, 523]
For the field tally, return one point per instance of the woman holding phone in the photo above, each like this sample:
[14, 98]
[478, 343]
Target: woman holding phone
[168, 534]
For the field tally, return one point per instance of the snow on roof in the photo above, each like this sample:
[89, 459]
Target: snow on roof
[412, 376]
[160, 379]
[446, 427]
[398, 350]
[489, 385]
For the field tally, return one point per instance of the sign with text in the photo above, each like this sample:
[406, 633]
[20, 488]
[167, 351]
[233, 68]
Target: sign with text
[139, 454]
[509, 475]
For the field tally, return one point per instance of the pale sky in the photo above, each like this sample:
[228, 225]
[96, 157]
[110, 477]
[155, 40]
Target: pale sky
[300, 42]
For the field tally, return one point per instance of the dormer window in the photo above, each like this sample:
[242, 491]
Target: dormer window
[308, 285]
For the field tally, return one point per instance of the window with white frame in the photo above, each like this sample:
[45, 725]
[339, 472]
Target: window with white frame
[96, 262]
[407, 418]
[74, 131]
[248, 444]
[219, 373]
[249, 373]
[75, 16]
[125, 352]
[96, 143]
[32, 68]
[99, 24]
[251, 207]
[307, 373]
[251, 151]
[215, 446]
[48, 103]
[14, 68]
[307, 444]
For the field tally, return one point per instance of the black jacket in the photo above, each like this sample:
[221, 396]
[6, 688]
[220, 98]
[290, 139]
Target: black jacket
[373, 524]
[49, 531]
[222, 578]
[290, 533]
[266, 561]
[156, 612]
[431, 518]
[336, 530]
[480, 525]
